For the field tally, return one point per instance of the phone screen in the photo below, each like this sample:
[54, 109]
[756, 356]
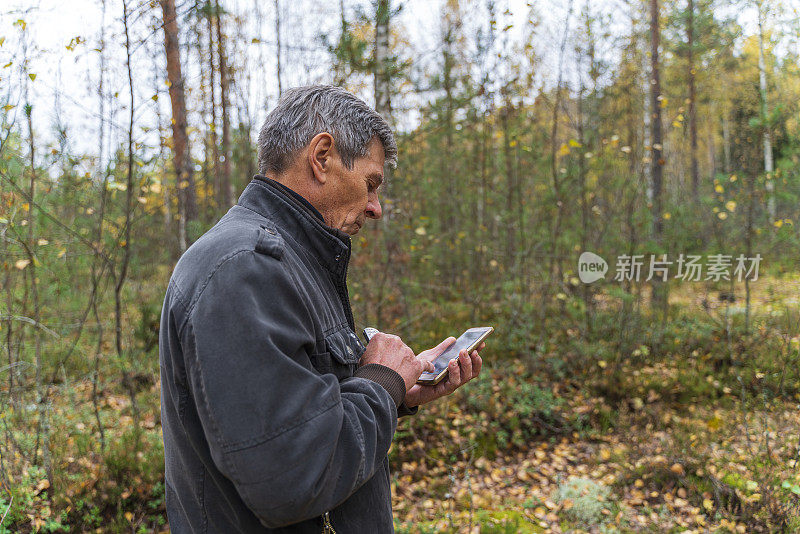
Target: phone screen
[464, 341]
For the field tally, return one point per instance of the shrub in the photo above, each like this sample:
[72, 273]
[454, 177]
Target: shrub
[588, 500]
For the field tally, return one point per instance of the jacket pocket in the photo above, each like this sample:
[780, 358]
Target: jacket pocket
[342, 353]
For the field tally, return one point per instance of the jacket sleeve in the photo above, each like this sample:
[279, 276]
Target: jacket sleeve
[295, 444]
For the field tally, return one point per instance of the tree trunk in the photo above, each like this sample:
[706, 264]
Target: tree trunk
[657, 163]
[226, 199]
[692, 98]
[218, 196]
[382, 83]
[180, 140]
[762, 85]
[43, 425]
[126, 237]
[278, 49]
[726, 143]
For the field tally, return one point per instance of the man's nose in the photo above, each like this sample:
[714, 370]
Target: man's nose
[374, 210]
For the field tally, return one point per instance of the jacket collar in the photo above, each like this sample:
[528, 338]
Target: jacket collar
[272, 200]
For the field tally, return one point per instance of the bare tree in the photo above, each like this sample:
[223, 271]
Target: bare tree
[126, 243]
[29, 245]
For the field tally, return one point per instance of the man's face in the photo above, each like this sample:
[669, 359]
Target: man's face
[352, 196]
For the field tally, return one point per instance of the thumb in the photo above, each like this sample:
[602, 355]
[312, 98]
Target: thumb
[432, 354]
[427, 366]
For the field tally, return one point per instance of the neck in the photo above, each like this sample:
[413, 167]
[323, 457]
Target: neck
[300, 187]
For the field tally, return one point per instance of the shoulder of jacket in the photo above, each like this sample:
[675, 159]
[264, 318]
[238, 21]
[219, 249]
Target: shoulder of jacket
[269, 242]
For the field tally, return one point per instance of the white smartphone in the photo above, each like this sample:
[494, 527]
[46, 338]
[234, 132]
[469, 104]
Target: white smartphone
[469, 340]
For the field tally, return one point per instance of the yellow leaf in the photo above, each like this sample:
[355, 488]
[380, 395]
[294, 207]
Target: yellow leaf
[129, 516]
[420, 231]
[778, 223]
[21, 264]
[564, 150]
[573, 143]
[719, 189]
[708, 504]
[722, 215]
[730, 205]
[8, 107]
[733, 178]
[155, 188]
[43, 242]
[667, 215]
[62, 252]
[512, 144]
[32, 76]
[142, 200]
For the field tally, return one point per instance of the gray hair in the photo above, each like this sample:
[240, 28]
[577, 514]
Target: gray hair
[303, 112]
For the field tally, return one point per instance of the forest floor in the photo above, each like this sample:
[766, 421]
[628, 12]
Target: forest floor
[686, 440]
[698, 469]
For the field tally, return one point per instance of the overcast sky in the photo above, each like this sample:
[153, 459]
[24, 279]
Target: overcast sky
[65, 88]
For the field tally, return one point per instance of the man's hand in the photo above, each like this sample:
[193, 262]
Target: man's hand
[389, 350]
[460, 371]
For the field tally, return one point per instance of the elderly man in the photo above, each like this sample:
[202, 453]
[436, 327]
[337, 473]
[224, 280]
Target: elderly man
[275, 417]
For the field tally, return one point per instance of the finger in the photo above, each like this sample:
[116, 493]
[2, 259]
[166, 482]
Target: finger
[454, 378]
[465, 362]
[477, 363]
[482, 346]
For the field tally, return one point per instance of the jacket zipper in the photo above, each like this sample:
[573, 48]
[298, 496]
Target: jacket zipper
[327, 528]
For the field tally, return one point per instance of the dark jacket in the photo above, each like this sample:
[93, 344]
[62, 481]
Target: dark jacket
[268, 420]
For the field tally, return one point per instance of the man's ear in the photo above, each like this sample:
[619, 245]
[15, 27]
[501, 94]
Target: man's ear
[321, 156]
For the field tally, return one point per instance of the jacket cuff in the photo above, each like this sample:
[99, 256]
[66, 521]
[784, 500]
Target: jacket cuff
[404, 409]
[386, 377]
